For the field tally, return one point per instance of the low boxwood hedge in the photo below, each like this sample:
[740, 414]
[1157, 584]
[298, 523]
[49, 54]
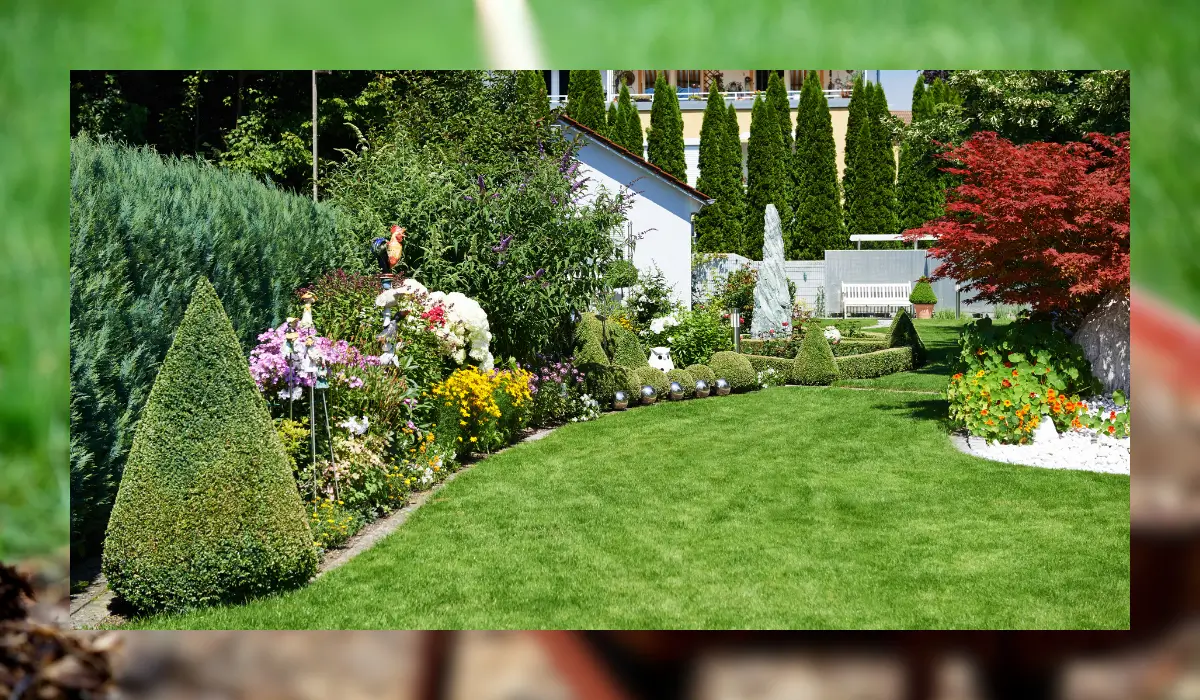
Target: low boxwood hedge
[779, 364]
[686, 379]
[653, 376]
[858, 346]
[702, 372]
[735, 369]
[875, 364]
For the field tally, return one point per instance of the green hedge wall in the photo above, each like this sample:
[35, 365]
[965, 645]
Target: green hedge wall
[857, 347]
[875, 364]
[780, 364]
[143, 230]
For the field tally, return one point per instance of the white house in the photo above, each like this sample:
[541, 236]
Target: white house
[659, 229]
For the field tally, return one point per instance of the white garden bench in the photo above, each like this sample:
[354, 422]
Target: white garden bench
[870, 295]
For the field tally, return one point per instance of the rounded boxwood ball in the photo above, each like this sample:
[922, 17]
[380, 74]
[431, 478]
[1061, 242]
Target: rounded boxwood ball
[735, 369]
[685, 379]
[654, 377]
[702, 372]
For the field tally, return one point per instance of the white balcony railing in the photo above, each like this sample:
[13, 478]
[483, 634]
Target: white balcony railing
[836, 93]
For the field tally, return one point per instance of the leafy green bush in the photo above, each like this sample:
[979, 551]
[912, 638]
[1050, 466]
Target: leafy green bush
[875, 364]
[857, 347]
[1011, 377]
[702, 372]
[207, 511]
[461, 238]
[621, 273]
[331, 523]
[735, 369]
[686, 379]
[650, 298]
[922, 293]
[699, 334]
[143, 230]
[904, 333]
[654, 377]
[814, 363]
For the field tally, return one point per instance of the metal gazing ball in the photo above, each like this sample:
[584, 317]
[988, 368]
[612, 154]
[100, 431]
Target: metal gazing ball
[649, 396]
[676, 391]
[701, 389]
[620, 401]
[722, 387]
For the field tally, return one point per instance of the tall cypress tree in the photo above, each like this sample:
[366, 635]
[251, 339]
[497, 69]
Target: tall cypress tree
[665, 142]
[585, 99]
[629, 125]
[777, 96]
[918, 93]
[884, 163]
[737, 192]
[714, 178]
[818, 207]
[531, 94]
[610, 121]
[767, 178]
[921, 186]
[860, 193]
[851, 166]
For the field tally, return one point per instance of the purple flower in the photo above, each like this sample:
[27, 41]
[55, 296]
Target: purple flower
[503, 244]
[482, 188]
[541, 271]
[468, 197]
[553, 200]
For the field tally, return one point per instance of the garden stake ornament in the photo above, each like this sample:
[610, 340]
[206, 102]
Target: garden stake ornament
[322, 383]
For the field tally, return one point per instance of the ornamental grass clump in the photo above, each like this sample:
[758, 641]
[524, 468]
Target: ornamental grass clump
[735, 369]
[815, 364]
[207, 511]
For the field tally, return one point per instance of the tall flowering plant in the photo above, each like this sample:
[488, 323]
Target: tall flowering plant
[457, 322]
[290, 358]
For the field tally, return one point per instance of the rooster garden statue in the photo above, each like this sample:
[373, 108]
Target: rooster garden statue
[389, 251]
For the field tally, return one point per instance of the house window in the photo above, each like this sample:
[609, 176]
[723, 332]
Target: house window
[687, 81]
[796, 80]
[761, 77]
[648, 79]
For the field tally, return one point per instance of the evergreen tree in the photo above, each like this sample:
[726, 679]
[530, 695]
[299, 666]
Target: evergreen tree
[208, 511]
[611, 127]
[531, 94]
[920, 185]
[778, 98]
[737, 193]
[883, 164]
[665, 142]
[767, 178]
[818, 207]
[855, 120]
[585, 99]
[714, 179]
[918, 93]
[629, 125]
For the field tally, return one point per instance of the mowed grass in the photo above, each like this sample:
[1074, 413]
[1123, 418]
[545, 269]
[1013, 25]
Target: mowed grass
[786, 508]
[941, 341]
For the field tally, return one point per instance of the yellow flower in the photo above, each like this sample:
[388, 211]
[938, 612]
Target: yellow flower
[474, 439]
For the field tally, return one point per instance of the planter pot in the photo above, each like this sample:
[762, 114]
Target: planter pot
[923, 310]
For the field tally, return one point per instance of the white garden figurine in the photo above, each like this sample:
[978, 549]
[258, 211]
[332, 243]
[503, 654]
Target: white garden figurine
[833, 335]
[660, 358]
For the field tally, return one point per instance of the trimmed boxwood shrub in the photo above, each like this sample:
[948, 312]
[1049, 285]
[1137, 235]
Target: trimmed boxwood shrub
[905, 333]
[785, 347]
[653, 376]
[858, 347]
[922, 293]
[625, 347]
[735, 369]
[815, 364]
[875, 364]
[207, 511]
[702, 372]
[686, 379]
[779, 364]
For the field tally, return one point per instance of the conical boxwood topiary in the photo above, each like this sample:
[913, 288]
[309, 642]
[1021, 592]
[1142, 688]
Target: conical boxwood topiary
[626, 348]
[815, 364]
[207, 510]
[905, 333]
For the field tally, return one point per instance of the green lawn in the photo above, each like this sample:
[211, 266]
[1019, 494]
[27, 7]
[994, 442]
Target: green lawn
[941, 340]
[779, 508]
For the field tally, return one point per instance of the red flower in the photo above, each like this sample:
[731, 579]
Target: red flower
[1015, 372]
[1112, 415]
[785, 323]
[983, 411]
[1006, 383]
[1008, 364]
[1112, 429]
[1032, 395]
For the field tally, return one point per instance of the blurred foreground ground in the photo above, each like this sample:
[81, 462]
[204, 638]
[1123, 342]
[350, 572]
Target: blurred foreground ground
[1158, 659]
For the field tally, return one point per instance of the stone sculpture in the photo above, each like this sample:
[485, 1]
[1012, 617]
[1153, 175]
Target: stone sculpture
[772, 302]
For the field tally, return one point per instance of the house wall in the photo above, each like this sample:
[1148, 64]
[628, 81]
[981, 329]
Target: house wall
[660, 212]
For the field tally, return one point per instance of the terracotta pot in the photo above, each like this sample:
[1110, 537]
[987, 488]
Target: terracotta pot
[923, 310]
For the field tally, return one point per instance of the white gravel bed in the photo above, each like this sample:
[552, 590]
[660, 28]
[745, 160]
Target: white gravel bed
[1077, 449]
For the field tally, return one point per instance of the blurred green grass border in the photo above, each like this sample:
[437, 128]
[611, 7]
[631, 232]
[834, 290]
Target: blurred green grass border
[40, 40]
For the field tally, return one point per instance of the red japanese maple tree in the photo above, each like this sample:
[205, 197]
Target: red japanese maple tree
[1044, 224]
